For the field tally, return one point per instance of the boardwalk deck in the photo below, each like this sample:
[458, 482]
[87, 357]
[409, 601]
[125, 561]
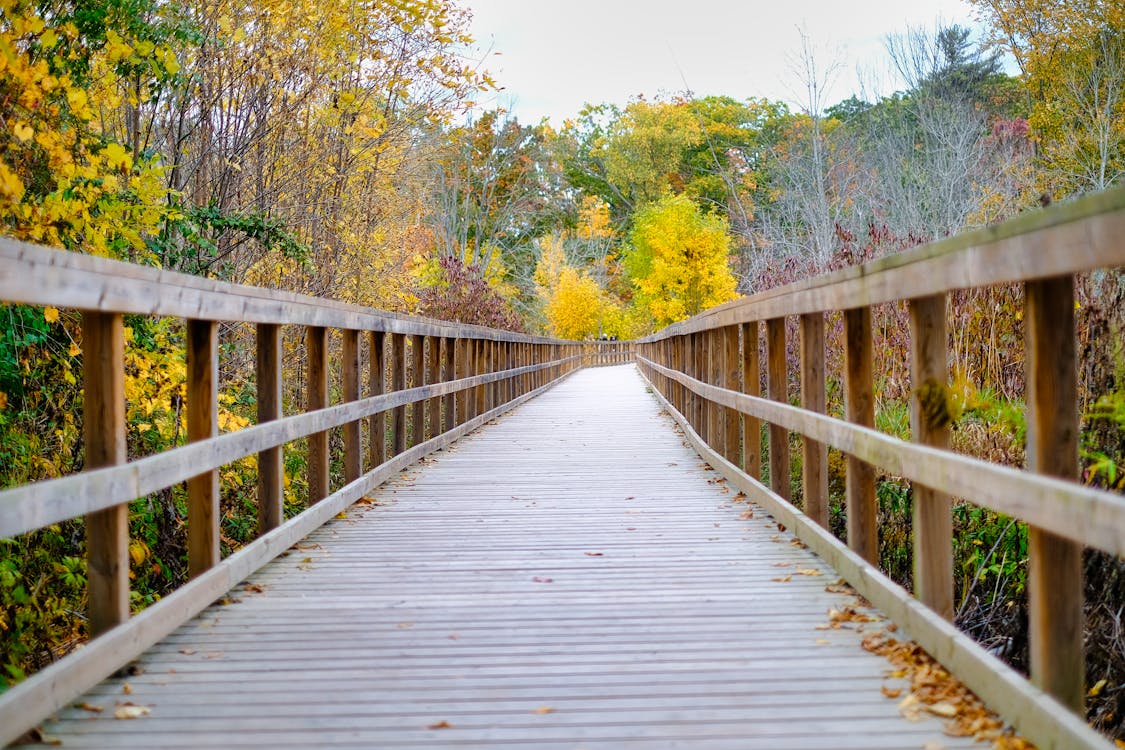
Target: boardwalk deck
[572, 576]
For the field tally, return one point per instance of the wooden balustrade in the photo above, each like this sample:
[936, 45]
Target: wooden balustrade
[1042, 250]
[428, 382]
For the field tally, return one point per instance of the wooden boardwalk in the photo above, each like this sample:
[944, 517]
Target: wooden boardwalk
[571, 576]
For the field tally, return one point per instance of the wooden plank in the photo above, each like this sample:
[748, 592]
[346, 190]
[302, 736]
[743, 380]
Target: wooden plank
[433, 375]
[732, 381]
[376, 385]
[397, 358]
[349, 384]
[1041, 719]
[1072, 510]
[929, 421]
[814, 464]
[202, 411]
[316, 397]
[751, 385]
[419, 661]
[271, 470]
[60, 683]
[36, 505]
[859, 406]
[1054, 578]
[777, 387]
[462, 369]
[34, 274]
[714, 365]
[103, 431]
[448, 368]
[417, 372]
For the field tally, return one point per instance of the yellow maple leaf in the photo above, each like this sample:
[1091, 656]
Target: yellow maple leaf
[51, 314]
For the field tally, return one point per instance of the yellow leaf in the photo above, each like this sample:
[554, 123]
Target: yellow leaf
[544, 710]
[23, 131]
[1096, 689]
[131, 712]
[51, 314]
[75, 349]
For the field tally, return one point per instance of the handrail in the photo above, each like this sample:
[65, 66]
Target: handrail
[463, 376]
[708, 371]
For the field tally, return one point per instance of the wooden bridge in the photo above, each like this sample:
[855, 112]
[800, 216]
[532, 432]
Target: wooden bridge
[539, 543]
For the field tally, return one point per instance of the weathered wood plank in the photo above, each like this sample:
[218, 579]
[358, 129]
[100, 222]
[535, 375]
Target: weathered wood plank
[814, 464]
[271, 471]
[929, 421]
[349, 385]
[316, 397]
[1054, 576]
[859, 405]
[103, 429]
[777, 386]
[202, 424]
[517, 619]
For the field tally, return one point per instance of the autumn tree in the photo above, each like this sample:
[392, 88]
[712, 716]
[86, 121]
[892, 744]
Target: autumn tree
[1072, 61]
[679, 260]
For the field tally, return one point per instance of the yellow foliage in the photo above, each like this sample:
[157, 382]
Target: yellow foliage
[679, 263]
[576, 306]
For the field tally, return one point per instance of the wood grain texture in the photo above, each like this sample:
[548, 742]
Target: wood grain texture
[1075, 511]
[1043, 720]
[103, 430]
[571, 575]
[398, 365]
[751, 385]
[859, 407]
[777, 387]
[271, 471]
[376, 385]
[349, 385]
[929, 421]
[202, 424]
[316, 397]
[1054, 576]
[814, 464]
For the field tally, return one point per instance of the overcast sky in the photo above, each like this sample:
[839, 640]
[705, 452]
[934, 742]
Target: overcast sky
[556, 55]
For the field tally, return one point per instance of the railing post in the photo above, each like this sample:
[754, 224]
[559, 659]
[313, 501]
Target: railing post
[417, 372]
[777, 382]
[714, 377]
[752, 386]
[1055, 596]
[103, 426]
[863, 532]
[349, 382]
[376, 386]
[462, 371]
[929, 421]
[398, 383]
[202, 423]
[448, 353]
[814, 466]
[316, 349]
[731, 383]
[271, 470]
[481, 368]
[432, 376]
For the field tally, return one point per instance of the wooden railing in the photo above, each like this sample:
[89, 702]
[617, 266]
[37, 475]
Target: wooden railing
[462, 375]
[708, 371]
[607, 353]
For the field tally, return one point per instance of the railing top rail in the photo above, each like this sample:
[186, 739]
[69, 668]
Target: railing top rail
[37, 275]
[1073, 237]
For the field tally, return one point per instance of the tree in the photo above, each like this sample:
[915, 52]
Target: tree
[1072, 60]
[679, 260]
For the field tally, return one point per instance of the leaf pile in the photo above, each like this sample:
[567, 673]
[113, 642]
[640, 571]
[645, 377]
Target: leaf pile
[936, 692]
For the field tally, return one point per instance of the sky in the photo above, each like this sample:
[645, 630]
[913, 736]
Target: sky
[552, 56]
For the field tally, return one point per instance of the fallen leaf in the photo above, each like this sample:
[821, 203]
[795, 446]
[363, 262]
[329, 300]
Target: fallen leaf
[809, 572]
[891, 692]
[127, 689]
[781, 527]
[90, 707]
[544, 710]
[256, 588]
[187, 651]
[594, 554]
[631, 528]
[747, 514]
[781, 564]
[307, 560]
[542, 579]
[933, 746]
[783, 579]
[405, 625]
[213, 655]
[440, 725]
[822, 641]
[131, 712]
[948, 710]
